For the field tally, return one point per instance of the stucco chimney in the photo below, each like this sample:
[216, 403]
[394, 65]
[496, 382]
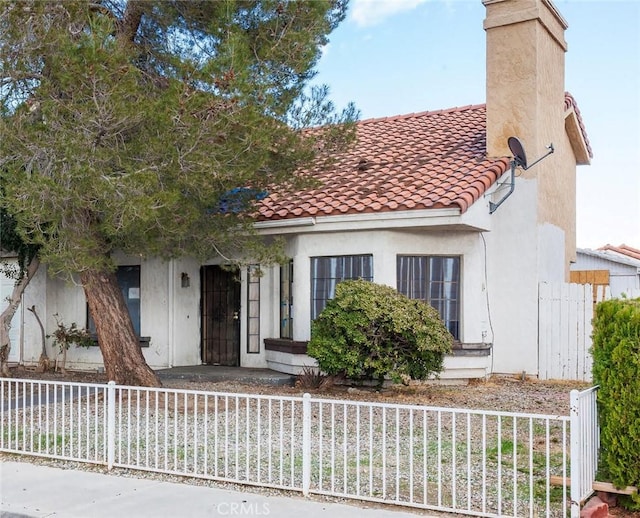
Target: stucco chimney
[525, 74]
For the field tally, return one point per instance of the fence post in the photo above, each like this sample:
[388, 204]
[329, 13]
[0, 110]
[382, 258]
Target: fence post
[306, 443]
[575, 466]
[111, 424]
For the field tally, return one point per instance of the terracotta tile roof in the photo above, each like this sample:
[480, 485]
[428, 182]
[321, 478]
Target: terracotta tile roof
[417, 161]
[425, 160]
[570, 102]
[623, 249]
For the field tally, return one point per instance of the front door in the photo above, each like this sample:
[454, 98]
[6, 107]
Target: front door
[220, 316]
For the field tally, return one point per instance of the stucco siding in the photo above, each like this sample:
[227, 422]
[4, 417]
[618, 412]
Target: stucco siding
[385, 246]
[551, 259]
[7, 283]
[64, 300]
[183, 313]
[512, 264]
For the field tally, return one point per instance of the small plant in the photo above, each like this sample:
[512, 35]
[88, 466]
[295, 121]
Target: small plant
[312, 378]
[64, 336]
[370, 332]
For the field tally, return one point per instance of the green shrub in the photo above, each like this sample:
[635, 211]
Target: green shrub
[369, 332]
[616, 368]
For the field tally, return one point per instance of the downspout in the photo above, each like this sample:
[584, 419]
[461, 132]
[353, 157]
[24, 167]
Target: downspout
[171, 311]
[21, 346]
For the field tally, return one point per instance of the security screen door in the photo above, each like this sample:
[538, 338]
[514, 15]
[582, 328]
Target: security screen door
[220, 308]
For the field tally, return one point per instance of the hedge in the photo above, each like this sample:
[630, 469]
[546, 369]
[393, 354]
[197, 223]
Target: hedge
[616, 369]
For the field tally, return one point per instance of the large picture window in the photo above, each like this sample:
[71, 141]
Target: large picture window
[327, 272]
[129, 282]
[436, 280]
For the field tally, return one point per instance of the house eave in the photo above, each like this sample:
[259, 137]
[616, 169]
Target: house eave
[432, 219]
[576, 138]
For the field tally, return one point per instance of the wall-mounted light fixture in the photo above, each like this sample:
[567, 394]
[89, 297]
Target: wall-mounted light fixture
[184, 279]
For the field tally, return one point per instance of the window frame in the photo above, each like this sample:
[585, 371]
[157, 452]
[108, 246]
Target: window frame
[253, 309]
[329, 283]
[286, 300]
[424, 286]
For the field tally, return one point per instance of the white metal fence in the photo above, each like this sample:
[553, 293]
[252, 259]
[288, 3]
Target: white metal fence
[483, 463]
[585, 444]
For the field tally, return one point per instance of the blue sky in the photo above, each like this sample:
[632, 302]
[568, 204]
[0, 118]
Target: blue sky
[393, 57]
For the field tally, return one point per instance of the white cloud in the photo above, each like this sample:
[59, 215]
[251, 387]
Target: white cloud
[366, 13]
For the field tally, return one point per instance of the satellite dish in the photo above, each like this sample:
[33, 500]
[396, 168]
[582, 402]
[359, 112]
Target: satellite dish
[517, 150]
[519, 160]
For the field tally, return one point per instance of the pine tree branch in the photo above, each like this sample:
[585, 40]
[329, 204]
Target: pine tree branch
[127, 27]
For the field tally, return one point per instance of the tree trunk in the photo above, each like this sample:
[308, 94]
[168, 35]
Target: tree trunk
[43, 362]
[10, 311]
[121, 353]
[128, 25]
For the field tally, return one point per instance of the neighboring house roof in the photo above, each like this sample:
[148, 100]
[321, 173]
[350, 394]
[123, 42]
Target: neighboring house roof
[623, 249]
[608, 256]
[427, 160]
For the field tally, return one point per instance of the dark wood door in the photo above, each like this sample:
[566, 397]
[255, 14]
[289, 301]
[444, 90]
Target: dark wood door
[220, 316]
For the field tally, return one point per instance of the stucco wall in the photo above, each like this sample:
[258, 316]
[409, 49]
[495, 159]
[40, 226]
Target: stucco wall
[525, 98]
[7, 283]
[385, 246]
[512, 258]
[172, 327]
[183, 316]
[551, 257]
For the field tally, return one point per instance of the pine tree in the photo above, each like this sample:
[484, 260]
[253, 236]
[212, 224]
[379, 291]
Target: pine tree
[124, 126]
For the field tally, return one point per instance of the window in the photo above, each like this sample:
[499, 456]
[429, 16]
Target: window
[253, 306]
[436, 280]
[286, 300]
[327, 272]
[129, 282]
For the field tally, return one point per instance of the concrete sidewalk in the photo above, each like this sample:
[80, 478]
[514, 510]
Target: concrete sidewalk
[28, 490]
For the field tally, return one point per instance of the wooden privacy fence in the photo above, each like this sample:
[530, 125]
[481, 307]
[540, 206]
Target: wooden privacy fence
[565, 312]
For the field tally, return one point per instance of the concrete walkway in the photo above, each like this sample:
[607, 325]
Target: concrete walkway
[219, 373]
[28, 490]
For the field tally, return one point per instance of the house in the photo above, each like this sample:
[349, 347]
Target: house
[425, 202]
[615, 267]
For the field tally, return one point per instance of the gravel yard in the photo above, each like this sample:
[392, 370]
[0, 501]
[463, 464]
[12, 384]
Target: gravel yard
[509, 394]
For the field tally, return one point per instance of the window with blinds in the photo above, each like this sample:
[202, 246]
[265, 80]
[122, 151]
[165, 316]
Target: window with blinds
[436, 280]
[327, 272]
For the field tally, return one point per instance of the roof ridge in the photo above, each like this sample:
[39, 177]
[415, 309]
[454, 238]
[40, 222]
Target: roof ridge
[392, 118]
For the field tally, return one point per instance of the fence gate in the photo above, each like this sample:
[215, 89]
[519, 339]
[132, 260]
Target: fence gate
[564, 330]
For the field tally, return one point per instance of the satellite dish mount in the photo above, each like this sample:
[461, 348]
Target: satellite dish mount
[519, 160]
